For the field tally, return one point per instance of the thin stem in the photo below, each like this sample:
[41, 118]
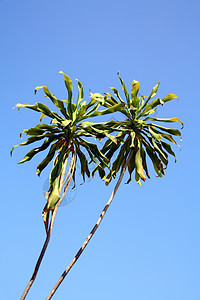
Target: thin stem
[54, 211]
[41, 256]
[80, 251]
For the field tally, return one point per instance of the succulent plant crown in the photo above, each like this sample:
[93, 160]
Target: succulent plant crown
[66, 134]
[138, 134]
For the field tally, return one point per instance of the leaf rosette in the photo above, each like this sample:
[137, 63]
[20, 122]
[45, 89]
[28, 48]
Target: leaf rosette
[139, 134]
[66, 135]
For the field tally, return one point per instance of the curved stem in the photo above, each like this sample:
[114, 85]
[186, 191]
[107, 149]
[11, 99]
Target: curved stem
[80, 251]
[54, 211]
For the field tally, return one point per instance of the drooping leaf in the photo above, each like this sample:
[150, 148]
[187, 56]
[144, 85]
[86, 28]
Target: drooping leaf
[163, 156]
[120, 157]
[168, 149]
[83, 161]
[144, 162]
[172, 131]
[138, 163]
[164, 120]
[29, 141]
[40, 107]
[131, 167]
[54, 179]
[48, 158]
[34, 151]
[156, 136]
[137, 178]
[94, 152]
[167, 137]
[41, 129]
[156, 161]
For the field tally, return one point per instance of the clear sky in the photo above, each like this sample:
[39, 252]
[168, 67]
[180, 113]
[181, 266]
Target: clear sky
[148, 246]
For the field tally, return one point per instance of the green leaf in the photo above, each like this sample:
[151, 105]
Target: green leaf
[169, 98]
[154, 90]
[94, 152]
[111, 100]
[33, 107]
[115, 91]
[132, 135]
[66, 123]
[163, 156]
[170, 138]
[147, 113]
[104, 132]
[69, 86]
[40, 129]
[135, 88]
[167, 137]
[109, 178]
[157, 102]
[138, 163]
[91, 103]
[122, 154]
[168, 149]
[48, 158]
[83, 161]
[98, 98]
[114, 108]
[29, 141]
[54, 180]
[40, 107]
[34, 151]
[59, 104]
[42, 116]
[112, 149]
[137, 178]
[94, 108]
[172, 131]
[125, 91]
[156, 136]
[144, 162]
[153, 93]
[141, 102]
[102, 173]
[80, 94]
[164, 120]
[150, 106]
[131, 167]
[156, 161]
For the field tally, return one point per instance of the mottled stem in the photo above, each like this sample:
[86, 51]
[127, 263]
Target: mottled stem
[80, 251]
[54, 211]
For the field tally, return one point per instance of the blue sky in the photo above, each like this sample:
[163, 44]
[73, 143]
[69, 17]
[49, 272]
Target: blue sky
[147, 247]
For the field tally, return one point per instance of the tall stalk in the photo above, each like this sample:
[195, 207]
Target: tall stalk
[80, 251]
[49, 231]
